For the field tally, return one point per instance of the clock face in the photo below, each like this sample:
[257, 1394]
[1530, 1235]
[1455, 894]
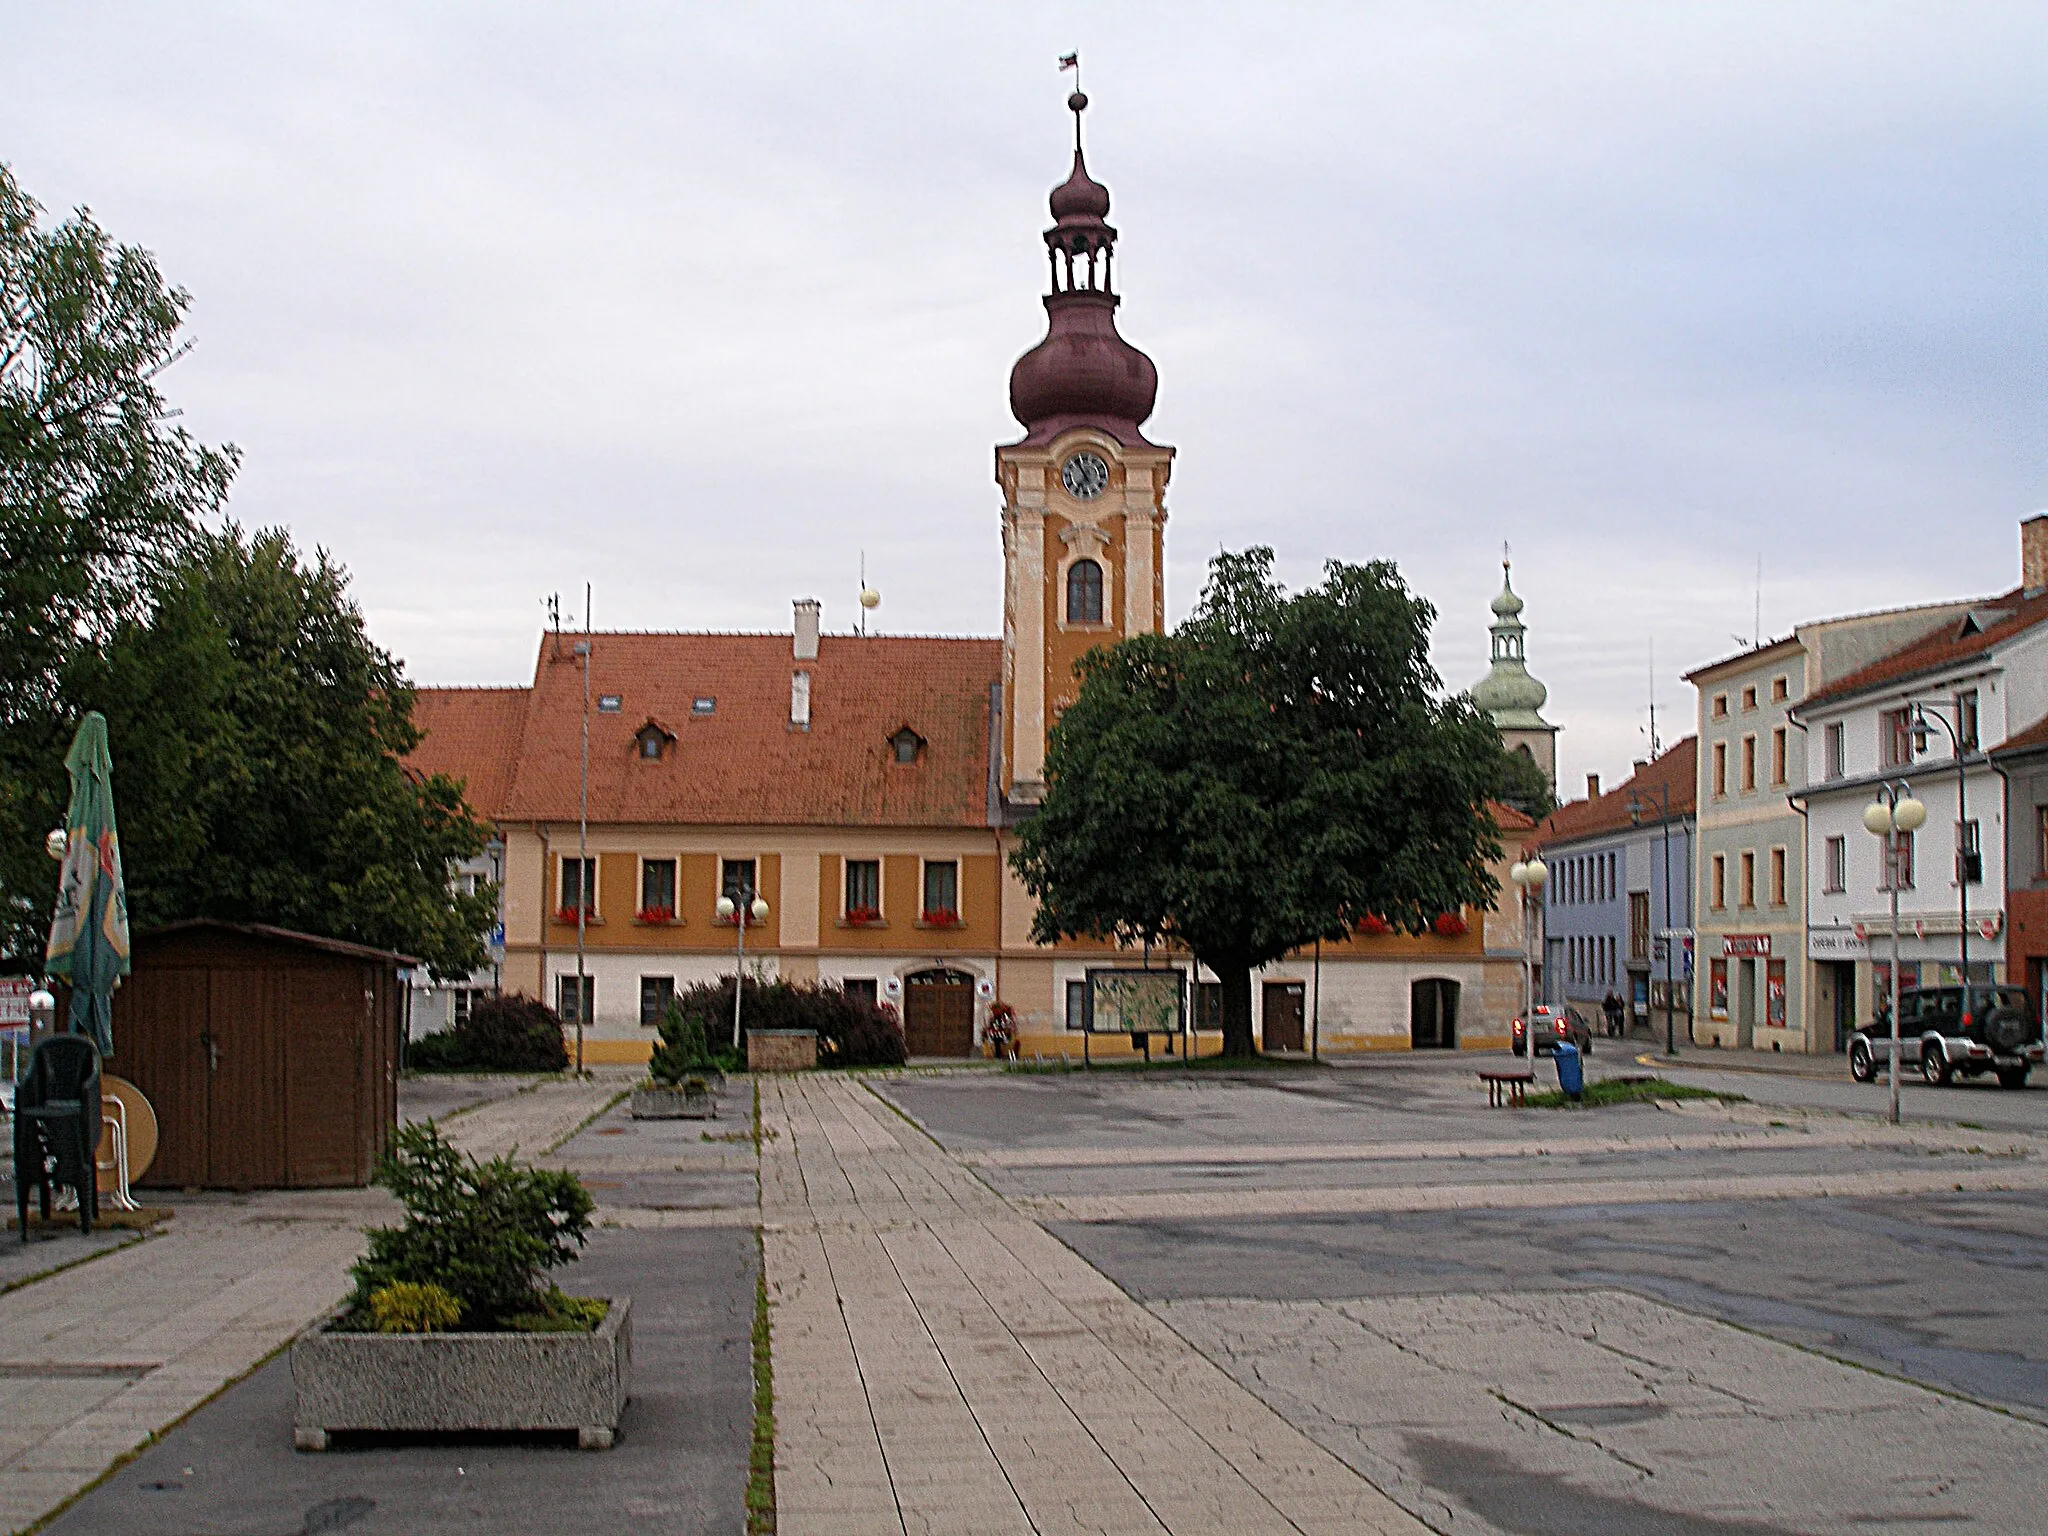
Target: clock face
[1085, 476]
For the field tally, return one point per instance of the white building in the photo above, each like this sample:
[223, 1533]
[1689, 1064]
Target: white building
[1924, 716]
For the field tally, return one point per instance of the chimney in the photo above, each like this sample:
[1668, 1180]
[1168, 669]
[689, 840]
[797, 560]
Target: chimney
[2034, 554]
[1592, 786]
[807, 609]
[800, 699]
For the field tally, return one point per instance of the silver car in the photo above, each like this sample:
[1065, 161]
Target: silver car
[1949, 1033]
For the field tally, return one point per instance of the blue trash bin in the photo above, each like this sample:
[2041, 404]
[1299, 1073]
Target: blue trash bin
[1571, 1072]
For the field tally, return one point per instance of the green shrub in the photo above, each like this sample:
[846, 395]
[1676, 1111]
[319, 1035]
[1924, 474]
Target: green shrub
[683, 1051]
[485, 1233]
[409, 1308]
[852, 1032]
[559, 1312]
[510, 1033]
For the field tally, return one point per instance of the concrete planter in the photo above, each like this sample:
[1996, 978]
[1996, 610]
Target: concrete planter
[464, 1381]
[782, 1050]
[694, 1098]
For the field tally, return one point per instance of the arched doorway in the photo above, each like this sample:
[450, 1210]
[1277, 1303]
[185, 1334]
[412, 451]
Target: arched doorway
[1433, 1014]
[938, 1013]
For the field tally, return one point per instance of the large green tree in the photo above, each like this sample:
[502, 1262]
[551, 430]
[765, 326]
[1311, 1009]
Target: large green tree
[257, 732]
[258, 737]
[1278, 768]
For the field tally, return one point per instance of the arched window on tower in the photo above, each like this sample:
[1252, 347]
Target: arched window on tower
[1084, 592]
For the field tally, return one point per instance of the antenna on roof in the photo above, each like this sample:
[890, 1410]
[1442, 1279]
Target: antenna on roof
[1656, 747]
[1757, 623]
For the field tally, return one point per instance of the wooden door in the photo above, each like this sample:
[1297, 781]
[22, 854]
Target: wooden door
[324, 1079]
[1433, 1014]
[160, 1046]
[1285, 1014]
[245, 1065]
[938, 1014]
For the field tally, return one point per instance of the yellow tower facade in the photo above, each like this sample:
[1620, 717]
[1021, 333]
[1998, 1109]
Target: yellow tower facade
[1084, 492]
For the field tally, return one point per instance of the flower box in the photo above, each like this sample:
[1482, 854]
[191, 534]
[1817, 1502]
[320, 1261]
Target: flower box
[415, 1382]
[655, 916]
[939, 917]
[863, 917]
[1373, 925]
[1450, 925]
[566, 916]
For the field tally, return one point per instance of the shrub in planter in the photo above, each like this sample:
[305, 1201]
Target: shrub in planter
[510, 1033]
[484, 1234]
[685, 1051]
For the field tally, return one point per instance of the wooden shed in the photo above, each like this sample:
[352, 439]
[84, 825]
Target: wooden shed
[271, 1057]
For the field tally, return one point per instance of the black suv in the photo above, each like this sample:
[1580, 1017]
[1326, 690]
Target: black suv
[1992, 1029]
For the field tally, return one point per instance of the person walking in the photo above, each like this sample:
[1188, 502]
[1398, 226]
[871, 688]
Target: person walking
[1611, 1006]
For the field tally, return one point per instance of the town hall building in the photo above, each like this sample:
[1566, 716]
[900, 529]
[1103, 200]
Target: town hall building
[867, 787]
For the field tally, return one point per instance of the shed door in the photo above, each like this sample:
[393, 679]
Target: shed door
[323, 1076]
[166, 1059]
[245, 1111]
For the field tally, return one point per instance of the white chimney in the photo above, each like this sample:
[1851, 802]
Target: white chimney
[800, 699]
[807, 611]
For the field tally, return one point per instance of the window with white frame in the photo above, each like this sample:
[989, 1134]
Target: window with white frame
[1835, 751]
[578, 886]
[941, 891]
[1836, 877]
[863, 889]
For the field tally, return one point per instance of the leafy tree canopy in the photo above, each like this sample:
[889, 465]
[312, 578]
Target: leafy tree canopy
[1523, 786]
[1272, 772]
[257, 732]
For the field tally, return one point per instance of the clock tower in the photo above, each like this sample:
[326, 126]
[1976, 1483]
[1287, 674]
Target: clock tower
[1084, 493]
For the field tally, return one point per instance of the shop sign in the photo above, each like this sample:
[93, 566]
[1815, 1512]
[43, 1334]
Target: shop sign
[1837, 944]
[1746, 946]
[14, 996]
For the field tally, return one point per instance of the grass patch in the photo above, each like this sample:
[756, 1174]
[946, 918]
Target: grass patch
[1169, 1064]
[1630, 1090]
[761, 1458]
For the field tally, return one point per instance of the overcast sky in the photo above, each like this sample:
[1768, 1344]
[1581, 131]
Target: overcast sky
[697, 303]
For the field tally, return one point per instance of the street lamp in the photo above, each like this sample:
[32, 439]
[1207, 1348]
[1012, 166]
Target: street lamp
[1635, 816]
[1530, 877]
[1965, 858]
[1894, 811]
[739, 914]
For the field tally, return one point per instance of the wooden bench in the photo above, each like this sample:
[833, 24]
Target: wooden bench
[1505, 1087]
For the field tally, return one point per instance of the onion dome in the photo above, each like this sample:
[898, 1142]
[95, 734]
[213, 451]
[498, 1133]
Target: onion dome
[1083, 373]
[1508, 693]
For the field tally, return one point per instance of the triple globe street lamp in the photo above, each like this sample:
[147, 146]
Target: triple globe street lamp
[740, 913]
[1893, 815]
[1529, 875]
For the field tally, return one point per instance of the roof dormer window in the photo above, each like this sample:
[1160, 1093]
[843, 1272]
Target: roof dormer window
[652, 740]
[703, 704]
[906, 744]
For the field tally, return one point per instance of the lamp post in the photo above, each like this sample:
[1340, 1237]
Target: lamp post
[739, 913]
[1635, 816]
[1530, 876]
[1894, 811]
[1964, 856]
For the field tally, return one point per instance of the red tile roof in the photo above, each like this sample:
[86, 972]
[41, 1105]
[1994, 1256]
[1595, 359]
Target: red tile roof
[742, 763]
[2032, 739]
[1946, 646]
[472, 735]
[1675, 772]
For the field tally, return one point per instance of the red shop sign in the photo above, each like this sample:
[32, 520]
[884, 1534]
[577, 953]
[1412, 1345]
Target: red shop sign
[1746, 945]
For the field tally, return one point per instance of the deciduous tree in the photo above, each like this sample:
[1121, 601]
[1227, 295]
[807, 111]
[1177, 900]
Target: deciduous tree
[1272, 772]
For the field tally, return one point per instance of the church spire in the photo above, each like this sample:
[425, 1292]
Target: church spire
[1511, 697]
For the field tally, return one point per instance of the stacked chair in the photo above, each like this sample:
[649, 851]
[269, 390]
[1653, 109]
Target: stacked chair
[57, 1126]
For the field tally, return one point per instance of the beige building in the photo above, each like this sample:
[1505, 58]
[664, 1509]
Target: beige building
[866, 787]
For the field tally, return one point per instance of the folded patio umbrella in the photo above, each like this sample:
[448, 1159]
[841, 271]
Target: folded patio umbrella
[89, 931]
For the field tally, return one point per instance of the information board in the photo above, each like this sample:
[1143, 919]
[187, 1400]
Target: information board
[1136, 1002]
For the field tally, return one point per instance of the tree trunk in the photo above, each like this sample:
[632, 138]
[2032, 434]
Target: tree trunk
[1236, 977]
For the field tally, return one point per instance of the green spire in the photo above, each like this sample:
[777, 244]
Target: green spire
[1508, 693]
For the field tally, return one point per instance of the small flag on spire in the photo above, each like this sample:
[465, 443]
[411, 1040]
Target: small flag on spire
[1070, 61]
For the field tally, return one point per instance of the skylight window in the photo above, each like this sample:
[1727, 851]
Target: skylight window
[703, 704]
[609, 703]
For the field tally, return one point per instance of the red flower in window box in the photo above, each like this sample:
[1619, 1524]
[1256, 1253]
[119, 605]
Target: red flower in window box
[567, 915]
[939, 917]
[655, 915]
[1450, 925]
[860, 917]
[1372, 923]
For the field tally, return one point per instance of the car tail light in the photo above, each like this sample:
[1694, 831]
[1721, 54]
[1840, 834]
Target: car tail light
[1561, 1027]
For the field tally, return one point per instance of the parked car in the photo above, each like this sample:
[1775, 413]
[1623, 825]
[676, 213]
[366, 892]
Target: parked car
[1949, 1035]
[1552, 1025]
